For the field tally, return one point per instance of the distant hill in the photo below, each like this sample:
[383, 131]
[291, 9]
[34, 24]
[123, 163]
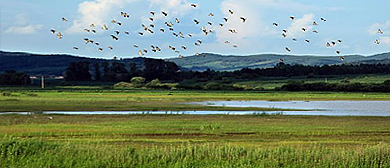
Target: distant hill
[57, 64]
[230, 63]
[48, 64]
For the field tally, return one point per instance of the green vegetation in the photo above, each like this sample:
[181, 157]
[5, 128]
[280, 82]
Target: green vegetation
[193, 141]
[69, 98]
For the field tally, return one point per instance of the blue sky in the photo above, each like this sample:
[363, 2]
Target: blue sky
[25, 26]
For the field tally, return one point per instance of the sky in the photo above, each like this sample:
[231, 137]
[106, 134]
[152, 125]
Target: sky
[25, 26]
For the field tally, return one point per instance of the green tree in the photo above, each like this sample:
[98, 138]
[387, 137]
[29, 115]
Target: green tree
[78, 71]
[14, 78]
[97, 72]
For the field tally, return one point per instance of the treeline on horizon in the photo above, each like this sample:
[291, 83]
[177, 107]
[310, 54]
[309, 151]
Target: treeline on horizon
[169, 71]
[166, 71]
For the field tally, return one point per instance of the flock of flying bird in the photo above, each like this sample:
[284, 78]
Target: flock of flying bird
[169, 27]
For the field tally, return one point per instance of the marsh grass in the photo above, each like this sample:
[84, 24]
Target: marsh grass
[156, 100]
[34, 153]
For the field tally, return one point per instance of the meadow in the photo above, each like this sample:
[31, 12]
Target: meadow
[92, 99]
[257, 140]
[193, 141]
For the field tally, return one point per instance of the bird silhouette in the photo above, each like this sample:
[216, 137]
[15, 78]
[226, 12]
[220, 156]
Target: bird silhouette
[164, 13]
[243, 19]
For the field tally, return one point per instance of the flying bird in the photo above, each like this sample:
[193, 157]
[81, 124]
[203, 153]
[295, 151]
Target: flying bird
[59, 35]
[226, 19]
[315, 31]
[292, 17]
[52, 31]
[322, 19]
[75, 48]
[211, 14]
[342, 58]
[152, 13]
[194, 5]
[64, 19]
[338, 52]
[377, 41]
[380, 31]
[275, 24]
[288, 49]
[231, 12]
[307, 40]
[243, 19]
[315, 23]
[114, 37]
[104, 27]
[196, 21]
[164, 13]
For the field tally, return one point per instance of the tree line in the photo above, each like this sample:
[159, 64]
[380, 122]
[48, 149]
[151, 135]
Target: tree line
[119, 72]
[169, 71]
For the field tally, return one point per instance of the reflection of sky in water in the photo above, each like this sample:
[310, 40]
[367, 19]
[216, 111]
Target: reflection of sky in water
[325, 108]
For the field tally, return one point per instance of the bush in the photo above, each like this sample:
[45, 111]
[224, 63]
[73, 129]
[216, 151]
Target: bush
[137, 82]
[123, 85]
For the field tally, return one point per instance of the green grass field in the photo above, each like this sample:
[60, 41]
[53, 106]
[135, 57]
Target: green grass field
[153, 100]
[193, 141]
[183, 140]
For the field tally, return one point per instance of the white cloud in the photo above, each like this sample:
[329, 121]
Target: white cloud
[23, 26]
[295, 29]
[102, 12]
[29, 29]
[385, 40]
[97, 12]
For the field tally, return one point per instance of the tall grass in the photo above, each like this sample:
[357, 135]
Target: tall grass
[34, 153]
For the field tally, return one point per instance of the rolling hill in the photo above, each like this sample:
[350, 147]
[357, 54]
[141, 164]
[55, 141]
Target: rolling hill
[230, 63]
[57, 64]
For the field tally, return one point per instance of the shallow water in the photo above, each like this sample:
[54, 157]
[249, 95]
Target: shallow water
[316, 108]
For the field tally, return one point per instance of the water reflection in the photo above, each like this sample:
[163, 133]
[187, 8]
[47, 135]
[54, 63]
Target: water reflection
[322, 108]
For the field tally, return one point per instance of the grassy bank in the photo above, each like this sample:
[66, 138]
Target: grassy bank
[153, 100]
[193, 141]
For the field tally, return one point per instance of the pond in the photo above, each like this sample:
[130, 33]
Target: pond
[316, 108]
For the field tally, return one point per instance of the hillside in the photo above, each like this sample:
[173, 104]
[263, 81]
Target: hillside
[48, 64]
[57, 64]
[229, 63]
